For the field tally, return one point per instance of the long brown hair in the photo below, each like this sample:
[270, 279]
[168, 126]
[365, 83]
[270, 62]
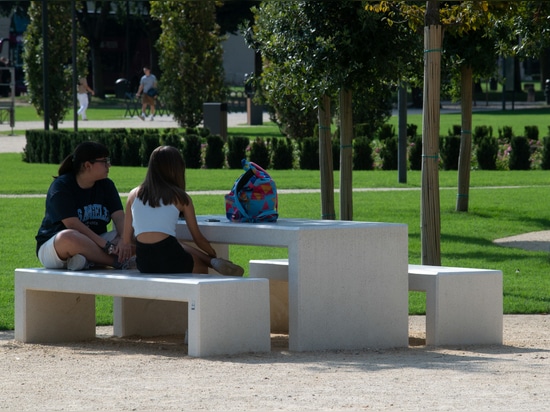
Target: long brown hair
[83, 153]
[165, 178]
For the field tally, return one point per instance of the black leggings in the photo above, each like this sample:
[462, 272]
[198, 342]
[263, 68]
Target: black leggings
[166, 256]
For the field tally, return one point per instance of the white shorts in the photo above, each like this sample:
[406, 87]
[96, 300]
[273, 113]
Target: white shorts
[48, 255]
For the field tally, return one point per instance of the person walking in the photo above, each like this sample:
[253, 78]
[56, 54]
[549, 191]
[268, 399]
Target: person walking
[82, 94]
[80, 203]
[147, 90]
[152, 213]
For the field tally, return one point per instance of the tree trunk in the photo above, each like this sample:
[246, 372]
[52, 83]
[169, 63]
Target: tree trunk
[325, 160]
[465, 157]
[430, 209]
[346, 155]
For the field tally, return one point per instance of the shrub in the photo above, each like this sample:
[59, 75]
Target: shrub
[259, 153]
[486, 153]
[172, 137]
[362, 154]
[480, 132]
[545, 164]
[450, 152]
[236, 151]
[520, 154]
[192, 151]
[506, 134]
[283, 154]
[415, 154]
[130, 150]
[456, 130]
[150, 141]
[309, 153]
[412, 131]
[336, 154]
[532, 132]
[386, 131]
[388, 154]
[214, 157]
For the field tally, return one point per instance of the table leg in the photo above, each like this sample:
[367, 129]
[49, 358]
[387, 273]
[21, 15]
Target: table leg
[348, 289]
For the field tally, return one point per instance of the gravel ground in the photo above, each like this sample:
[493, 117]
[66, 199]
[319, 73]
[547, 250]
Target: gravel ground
[157, 374]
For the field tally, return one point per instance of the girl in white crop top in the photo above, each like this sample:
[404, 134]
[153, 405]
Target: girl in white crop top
[152, 213]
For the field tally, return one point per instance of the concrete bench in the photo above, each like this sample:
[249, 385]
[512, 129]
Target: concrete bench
[223, 315]
[463, 305]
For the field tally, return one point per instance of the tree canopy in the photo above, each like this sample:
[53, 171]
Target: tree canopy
[190, 56]
[60, 86]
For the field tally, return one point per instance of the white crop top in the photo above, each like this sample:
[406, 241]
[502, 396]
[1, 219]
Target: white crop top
[161, 219]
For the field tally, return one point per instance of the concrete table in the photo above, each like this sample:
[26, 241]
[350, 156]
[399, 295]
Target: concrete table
[348, 284]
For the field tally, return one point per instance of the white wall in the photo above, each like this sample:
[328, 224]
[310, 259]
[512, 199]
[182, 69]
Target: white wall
[238, 60]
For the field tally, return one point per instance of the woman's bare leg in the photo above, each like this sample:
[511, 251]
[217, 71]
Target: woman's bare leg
[202, 262]
[201, 259]
[71, 242]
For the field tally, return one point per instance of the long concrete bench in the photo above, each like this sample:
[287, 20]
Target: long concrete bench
[463, 305]
[223, 315]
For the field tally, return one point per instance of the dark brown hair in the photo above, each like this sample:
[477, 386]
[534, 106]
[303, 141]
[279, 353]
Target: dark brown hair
[83, 153]
[165, 178]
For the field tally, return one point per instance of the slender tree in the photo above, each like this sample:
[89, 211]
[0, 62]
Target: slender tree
[191, 57]
[60, 87]
[315, 52]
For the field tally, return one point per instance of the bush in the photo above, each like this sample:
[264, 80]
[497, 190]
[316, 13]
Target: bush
[362, 154]
[480, 132]
[259, 153]
[456, 131]
[450, 152]
[130, 150]
[415, 154]
[214, 157]
[283, 154]
[150, 141]
[532, 132]
[520, 154]
[412, 131]
[172, 137]
[506, 134]
[336, 154]
[388, 154]
[309, 153]
[486, 153]
[192, 151]
[545, 164]
[386, 131]
[236, 151]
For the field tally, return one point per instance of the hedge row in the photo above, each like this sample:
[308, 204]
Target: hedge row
[132, 147]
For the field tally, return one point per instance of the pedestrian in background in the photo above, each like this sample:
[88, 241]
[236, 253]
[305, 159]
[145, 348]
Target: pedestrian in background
[148, 92]
[82, 93]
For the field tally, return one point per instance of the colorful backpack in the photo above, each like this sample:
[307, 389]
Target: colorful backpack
[253, 197]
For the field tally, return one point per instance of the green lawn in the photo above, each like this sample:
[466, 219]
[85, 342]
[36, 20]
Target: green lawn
[501, 204]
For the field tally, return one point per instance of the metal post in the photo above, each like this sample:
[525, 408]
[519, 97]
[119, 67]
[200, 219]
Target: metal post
[75, 68]
[402, 133]
[45, 67]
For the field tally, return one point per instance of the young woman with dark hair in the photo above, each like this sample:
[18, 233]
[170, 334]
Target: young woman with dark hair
[152, 213]
[80, 203]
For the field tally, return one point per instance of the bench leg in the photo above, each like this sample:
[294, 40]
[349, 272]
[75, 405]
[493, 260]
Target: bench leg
[278, 304]
[229, 319]
[146, 317]
[464, 310]
[48, 317]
